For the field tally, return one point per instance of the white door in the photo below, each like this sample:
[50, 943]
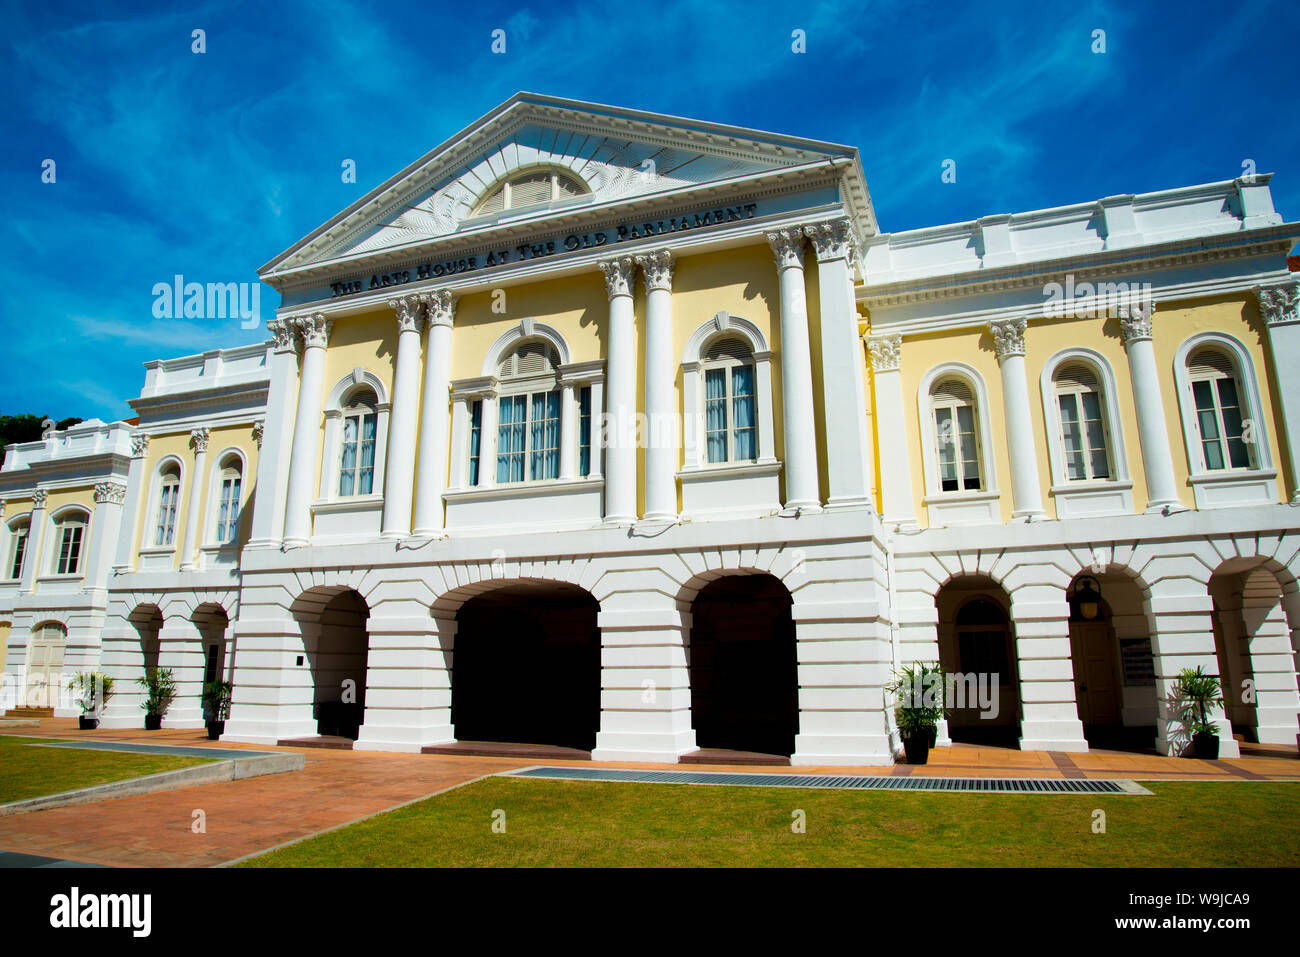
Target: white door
[45, 666]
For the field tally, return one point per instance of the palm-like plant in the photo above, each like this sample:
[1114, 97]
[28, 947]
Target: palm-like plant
[919, 692]
[92, 690]
[160, 691]
[1197, 692]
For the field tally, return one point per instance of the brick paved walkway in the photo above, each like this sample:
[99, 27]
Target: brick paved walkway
[336, 787]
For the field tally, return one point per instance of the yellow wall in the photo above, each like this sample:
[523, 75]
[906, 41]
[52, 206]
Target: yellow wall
[4, 643]
[56, 500]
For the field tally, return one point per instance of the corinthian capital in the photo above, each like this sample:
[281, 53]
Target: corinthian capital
[200, 437]
[831, 240]
[38, 498]
[1279, 304]
[619, 273]
[885, 352]
[139, 446]
[282, 330]
[408, 312]
[657, 267]
[110, 492]
[314, 329]
[259, 432]
[787, 247]
[1135, 319]
[1008, 337]
[440, 307]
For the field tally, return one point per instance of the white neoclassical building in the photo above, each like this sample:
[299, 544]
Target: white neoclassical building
[634, 435]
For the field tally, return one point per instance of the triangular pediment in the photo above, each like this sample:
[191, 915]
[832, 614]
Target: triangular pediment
[613, 154]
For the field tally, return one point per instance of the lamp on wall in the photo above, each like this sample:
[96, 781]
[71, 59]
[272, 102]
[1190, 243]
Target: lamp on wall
[1087, 598]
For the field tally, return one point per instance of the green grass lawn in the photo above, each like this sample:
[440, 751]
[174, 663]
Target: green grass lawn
[28, 772]
[582, 824]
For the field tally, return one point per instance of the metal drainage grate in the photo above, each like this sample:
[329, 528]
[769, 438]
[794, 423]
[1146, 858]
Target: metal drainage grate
[856, 782]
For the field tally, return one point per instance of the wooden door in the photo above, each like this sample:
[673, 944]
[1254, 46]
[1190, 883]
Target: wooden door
[1096, 683]
[44, 668]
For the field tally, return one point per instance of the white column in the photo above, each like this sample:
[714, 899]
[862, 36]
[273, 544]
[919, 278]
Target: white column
[895, 465]
[431, 480]
[276, 438]
[198, 477]
[848, 446]
[597, 439]
[1280, 307]
[487, 442]
[315, 330]
[1048, 708]
[1272, 663]
[460, 426]
[399, 468]
[32, 558]
[1009, 342]
[801, 485]
[1153, 435]
[106, 528]
[569, 412]
[620, 436]
[136, 491]
[180, 648]
[660, 377]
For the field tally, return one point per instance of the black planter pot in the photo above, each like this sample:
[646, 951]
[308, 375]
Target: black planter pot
[87, 723]
[917, 747]
[933, 737]
[152, 722]
[1205, 745]
[215, 730]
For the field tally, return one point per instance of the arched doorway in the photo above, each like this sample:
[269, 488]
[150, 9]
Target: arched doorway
[977, 648]
[212, 624]
[526, 667]
[337, 645]
[45, 664]
[1111, 659]
[744, 666]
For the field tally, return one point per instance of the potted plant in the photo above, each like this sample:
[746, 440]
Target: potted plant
[216, 707]
[919, 705]
[92, 690]
[159, 693]
[1198, 692]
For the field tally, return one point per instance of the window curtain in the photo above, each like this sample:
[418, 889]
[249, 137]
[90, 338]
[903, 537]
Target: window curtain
[510, 438]
[544, 462]
[348, 462]
[715, 414]
[742, 390]
[369, 427]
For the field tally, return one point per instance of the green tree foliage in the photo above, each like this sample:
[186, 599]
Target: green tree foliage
[25, 428]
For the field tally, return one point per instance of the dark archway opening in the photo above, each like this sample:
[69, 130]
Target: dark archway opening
[526, 667]
[338, 665]
[977, 647]
[743, 666]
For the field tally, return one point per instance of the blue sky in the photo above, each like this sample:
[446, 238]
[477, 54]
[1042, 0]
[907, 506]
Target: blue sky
[207, 165]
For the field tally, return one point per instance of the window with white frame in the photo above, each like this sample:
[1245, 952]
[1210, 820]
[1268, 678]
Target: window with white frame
[70, 535]
[730, 429]
[228, 499]
[1081, 412]
[1221, 413]
[357, 455]
[528, 415]
[956, 435]
[18, 535]
[530, 188]
[169, 492]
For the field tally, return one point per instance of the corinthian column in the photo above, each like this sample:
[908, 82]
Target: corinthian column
[399, 471]
[848, 448]
[189, 561]
[660, 372]
[431, 482]
[135, 485]
[801, 485]
[277, 437]
[620, 397]
[895, 467]
[1009, 343]
[1280, 307]
[303, 461]
[1157, 463]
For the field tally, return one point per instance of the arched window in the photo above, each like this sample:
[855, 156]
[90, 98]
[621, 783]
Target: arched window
[730, 430]
[957, 443]
[528, 414]
[1082, 418]
[18, 535]
[530, 188]
[70, 538]
[169, 492]
[357, 457]
[228, 499]
[1220, 410]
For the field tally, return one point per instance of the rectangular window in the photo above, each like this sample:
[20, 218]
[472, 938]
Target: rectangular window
[584, 430]
[715, 414]
[69, 549]
[357, 465]
[167, 513]
[1218, 416]
[475, 437]
[17, 551]
[528, 437]
[228, 520]
[1083, 437]
[742, 407]
[959, 468]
